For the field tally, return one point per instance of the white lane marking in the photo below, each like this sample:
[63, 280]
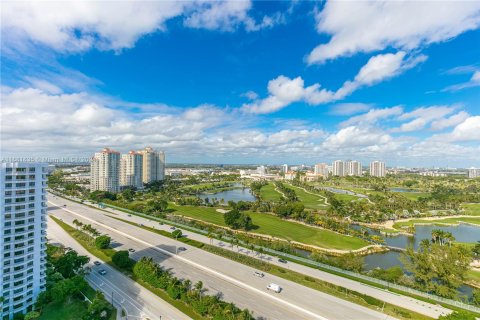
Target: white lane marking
[199, 266]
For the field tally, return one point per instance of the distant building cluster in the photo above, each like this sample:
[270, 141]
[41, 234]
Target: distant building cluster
[473, 173]
[110, 171]
[432, 173]
[342, 168]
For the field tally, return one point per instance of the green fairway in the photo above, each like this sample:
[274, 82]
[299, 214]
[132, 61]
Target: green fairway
[274, 226]
[309, 200]
[472, 209]
[413, 195]
[268, 193]
[472, 220]
[473, 275]
[346, 197]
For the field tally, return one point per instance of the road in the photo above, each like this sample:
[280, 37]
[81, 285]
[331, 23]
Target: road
[234, 281]
[134, 299]
[419, 306]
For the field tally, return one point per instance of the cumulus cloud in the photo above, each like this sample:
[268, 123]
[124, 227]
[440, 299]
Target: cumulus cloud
[468, 130]
[367, 26]
[422, 116]
[284, 91]
[81, 25]
[451, 121]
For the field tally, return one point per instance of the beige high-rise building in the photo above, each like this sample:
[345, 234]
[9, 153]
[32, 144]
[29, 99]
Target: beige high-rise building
[353, 168]
[153, 165]
[131, 170]
[105, 171]
[338, 168]
[377, 169]
[321, 169]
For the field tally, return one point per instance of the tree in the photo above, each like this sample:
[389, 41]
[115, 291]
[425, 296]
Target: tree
[32, 315]
[102, 242]
[237, 220]
[177, 233]
[122, 260]
[437, 268]
[476, 297]
[99, 308]
[70, 264]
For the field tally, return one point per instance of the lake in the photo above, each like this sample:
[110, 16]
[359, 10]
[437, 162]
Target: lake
[237, 194]
[404, 190]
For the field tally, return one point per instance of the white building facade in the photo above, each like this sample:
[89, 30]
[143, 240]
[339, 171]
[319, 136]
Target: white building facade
[22, 235]
[377, 169]
[338, 168]
[105, 171]
[153, 168]
[131, 170]
[321, 169]
[353, 168]
[474, 173]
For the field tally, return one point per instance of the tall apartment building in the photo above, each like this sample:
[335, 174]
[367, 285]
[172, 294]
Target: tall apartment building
[474, 173]
[22, 235]
[131, 170]
[105, 171]
[338, 168]
[321, 169]
[285, 168]
[377, 169]
[353, 168]
[153, 165]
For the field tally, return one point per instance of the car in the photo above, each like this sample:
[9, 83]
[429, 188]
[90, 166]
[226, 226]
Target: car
[64, 205]
[258, 274]
[131, 250]
[97, 263]
[282, 260]
[102, 272]
[182, 249]
[172, 228]
[129, 215]
[274, 287]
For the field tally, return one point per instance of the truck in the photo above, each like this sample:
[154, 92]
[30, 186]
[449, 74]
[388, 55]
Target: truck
[274, 287]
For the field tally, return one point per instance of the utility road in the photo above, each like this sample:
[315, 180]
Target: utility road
[135, 300]
[235, 282]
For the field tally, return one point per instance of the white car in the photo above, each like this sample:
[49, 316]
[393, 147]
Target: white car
[274, 287]
[258, 274]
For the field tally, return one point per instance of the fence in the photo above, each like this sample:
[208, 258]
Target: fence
[336, 270]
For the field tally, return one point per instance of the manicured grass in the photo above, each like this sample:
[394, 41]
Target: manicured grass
[474, 275]
[473, 220]
[271, 225]
[472, 209]
[268, 193]
[414, 195]
[346, 197]
[309, 200]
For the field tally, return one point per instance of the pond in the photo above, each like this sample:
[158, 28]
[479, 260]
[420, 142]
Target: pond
[238, 194]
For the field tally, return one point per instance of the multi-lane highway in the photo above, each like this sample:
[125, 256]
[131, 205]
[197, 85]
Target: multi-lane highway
[136, 301]
[234, 281]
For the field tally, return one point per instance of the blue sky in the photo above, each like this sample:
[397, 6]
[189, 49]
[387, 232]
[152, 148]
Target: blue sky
[244, 82]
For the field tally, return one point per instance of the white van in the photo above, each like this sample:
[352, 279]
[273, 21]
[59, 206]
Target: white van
[274, 287]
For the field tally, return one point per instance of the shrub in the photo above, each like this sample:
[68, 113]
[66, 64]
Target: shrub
[102, 242]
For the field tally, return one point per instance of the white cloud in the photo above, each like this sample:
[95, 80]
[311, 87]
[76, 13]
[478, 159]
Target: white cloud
[373, 116]
[422, 116]
[355, 136]
[252, 95]
[347, 109]
[284, 91]
[473, 82]
[367, 26]
[81, 25]
[468, 130]
[451, 121]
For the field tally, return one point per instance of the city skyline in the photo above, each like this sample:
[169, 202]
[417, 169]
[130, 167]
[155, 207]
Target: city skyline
[241, 86]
